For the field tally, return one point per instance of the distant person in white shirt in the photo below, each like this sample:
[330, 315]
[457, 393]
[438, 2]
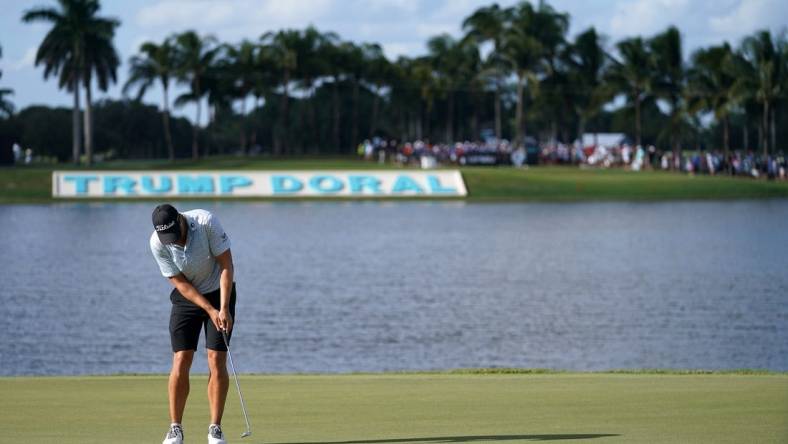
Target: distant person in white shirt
[193, 253]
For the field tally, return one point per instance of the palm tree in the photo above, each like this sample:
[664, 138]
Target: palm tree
[523, 53]
[243, 67]
[282, 47]
[356, 70]
[220, 90]
[587, 64]
[155, 63]
[632, 76]
[364, 62]
[314, 65]
[711, 86]
[549, 27]
[264, 82]
[77, 48]
[194, 55]
[378, 73]
[427, 87]
[669, 78]
[101, 61]
[413, 90]
[454, 63]
[475, 87]
[531, 43]
[554, 102]
[406, 97]
[487, 24]
[336, 57]
[761, 66]
[6, 107]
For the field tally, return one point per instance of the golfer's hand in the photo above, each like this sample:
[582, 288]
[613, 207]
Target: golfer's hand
[217, 319]
[225, 321]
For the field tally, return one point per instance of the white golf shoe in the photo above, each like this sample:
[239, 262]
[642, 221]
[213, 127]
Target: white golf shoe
[215, 435]
[174, 435]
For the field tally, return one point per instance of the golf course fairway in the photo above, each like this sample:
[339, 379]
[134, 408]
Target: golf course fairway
[418, 408]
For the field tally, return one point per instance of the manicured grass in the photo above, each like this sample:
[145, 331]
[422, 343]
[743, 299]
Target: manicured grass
[415, 408]
[540, 184]
[574, 184]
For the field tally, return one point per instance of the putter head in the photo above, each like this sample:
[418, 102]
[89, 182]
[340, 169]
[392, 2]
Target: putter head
[246, 433]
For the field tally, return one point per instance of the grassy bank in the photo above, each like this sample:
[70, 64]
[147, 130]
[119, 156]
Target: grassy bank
[417, 408]
[539, 184]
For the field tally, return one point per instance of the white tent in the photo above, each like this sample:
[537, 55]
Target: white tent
[607, 140]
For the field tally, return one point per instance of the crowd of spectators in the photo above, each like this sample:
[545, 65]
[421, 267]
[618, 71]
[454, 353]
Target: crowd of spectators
[710, 162]
[620, 154]
[422, 152]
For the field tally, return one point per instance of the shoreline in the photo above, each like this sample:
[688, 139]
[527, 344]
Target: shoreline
[541, 184]
[453, 372]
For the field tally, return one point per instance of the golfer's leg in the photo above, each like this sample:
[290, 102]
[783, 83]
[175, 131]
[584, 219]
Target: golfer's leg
[218, 383]
[179, 383]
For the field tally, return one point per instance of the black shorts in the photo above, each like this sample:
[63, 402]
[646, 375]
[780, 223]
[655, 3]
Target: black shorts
[187, 319]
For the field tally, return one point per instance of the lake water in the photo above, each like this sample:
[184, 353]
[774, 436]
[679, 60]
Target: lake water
[371, 286]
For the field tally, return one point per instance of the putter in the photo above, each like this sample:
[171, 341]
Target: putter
[248, 431]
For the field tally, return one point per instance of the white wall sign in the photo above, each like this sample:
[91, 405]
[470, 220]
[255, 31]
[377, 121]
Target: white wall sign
[125, 184]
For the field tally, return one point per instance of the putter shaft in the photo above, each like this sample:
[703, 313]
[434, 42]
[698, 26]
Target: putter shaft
[248, 431]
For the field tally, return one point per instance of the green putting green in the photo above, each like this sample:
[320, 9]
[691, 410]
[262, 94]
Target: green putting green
[418, 408]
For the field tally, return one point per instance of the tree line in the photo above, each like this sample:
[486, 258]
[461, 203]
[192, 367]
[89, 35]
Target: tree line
[513, 73]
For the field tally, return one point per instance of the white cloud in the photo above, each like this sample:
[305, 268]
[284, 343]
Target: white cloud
[185, 13]
[700, 23]
[28, 60]
[644, 17]
[750, 15]
[407, 6]
[228, 17]
[278, 14]
[457, 9]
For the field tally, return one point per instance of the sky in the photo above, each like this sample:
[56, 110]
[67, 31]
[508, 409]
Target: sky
[402, 27]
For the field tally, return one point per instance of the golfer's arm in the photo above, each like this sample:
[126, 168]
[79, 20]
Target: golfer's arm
[189, 292]
[225, 261]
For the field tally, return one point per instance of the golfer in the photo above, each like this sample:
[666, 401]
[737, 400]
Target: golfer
[193, 252]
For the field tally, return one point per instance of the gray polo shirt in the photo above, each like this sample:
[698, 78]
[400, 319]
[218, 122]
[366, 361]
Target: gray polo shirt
[196, 260]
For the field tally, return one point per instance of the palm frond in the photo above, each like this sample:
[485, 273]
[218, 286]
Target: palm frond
[42, 15]
[185, 99]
